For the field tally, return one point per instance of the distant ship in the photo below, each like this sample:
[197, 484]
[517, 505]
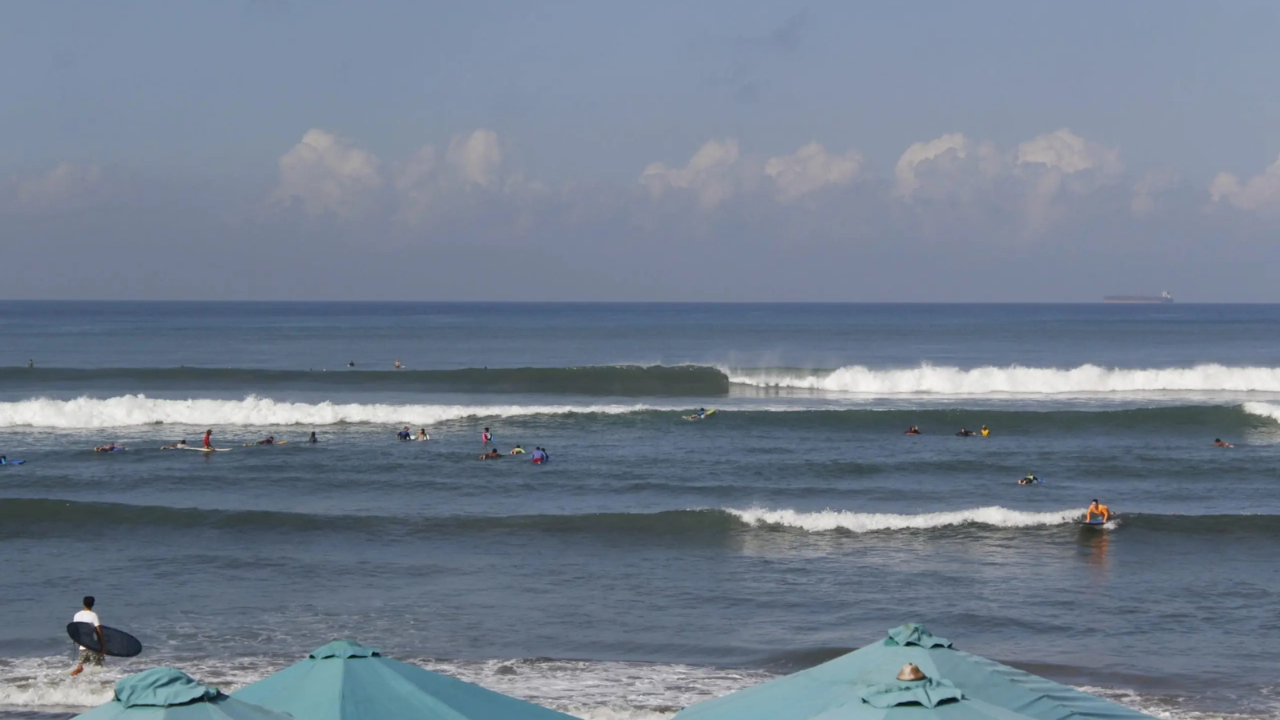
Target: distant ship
[1163, 297]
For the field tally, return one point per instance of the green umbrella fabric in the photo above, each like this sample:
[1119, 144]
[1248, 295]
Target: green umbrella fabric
[348, 681]
[834, 690]
[168, 694]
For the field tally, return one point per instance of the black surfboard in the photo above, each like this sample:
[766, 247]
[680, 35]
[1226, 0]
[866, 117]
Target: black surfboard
[119, 643]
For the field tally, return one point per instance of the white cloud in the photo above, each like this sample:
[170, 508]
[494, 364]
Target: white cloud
[1149, 187]
[1065, 151]
[476, 157]
[416, 184]
[1260, 192]
[65, 183]
[328, 174]
[811, 168]
[712, 174]
[952, 146]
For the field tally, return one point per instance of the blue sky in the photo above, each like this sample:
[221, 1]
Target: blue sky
[1001, 151]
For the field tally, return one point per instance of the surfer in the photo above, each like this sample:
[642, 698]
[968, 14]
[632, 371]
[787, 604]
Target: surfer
[539, 456]
[913, 430]
[398, 365]
[985, 432]
[313, 440]
[493, 454]
[180, 445]
[1096, 508]
[1028, 479]
[517, 450]
[1217, 442]
[422, 435]
[965, 432]
[269, 440]
[486, 437]
[207, 443]
[92, 657]
[404, 433]
[109, 447]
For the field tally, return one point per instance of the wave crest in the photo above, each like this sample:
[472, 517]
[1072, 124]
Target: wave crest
[1261, 409]
[132, 410]
[830, 520]
[1016, 380]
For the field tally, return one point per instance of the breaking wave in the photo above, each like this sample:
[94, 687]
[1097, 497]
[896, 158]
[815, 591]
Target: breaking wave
[133, 410]
[856, 522]
[1261, 409]
[1016, 380]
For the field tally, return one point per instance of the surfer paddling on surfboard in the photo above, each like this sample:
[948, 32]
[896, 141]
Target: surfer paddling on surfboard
[1096, 508]
[93, 657]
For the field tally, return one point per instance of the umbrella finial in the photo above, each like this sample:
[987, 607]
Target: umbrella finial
[911, 673]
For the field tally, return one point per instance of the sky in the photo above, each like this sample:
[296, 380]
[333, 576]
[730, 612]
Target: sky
[640, 151]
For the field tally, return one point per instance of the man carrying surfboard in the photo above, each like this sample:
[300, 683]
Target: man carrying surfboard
[87, 615]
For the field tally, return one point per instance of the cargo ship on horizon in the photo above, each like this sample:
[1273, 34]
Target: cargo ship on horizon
[1163, 297]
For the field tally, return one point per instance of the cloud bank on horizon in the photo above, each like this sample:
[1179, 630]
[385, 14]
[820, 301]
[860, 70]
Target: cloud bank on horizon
[502, 209]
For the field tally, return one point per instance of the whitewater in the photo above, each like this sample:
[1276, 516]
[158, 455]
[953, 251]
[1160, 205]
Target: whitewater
[134, 410]
[857, 522]
[1085, 380]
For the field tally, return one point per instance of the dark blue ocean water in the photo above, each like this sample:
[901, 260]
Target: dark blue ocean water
[655, 561]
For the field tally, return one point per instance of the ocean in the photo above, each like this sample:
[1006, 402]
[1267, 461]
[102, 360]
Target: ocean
[655, 561]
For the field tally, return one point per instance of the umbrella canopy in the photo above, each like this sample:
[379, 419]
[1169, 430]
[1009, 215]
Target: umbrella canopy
[348, 681]
[835, 690]
[168, 694]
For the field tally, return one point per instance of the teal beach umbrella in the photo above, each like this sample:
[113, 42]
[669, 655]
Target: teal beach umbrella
[838, 689]
[168, 694]
[348, 681]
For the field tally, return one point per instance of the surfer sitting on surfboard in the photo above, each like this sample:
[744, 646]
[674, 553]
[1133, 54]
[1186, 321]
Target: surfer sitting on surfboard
[207, 443]
[87, 615]
[1096, 508]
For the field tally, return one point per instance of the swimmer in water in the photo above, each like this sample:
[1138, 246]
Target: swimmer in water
[486, 437]
[492, 455]
[422, 434]
[1097, 508]
[1217, 442]
[404, 433]
[313, 440]
[985, 432]
[913, 430]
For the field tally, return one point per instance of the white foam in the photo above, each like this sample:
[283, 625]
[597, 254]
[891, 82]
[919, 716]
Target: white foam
[1017, 380]
[829, 520]
[1266, 410]
[133, 410]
